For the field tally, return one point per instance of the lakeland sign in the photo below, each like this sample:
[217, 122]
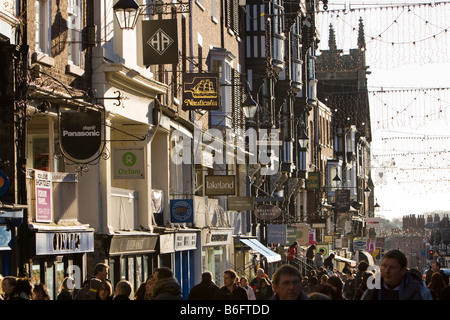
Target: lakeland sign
[220, 185]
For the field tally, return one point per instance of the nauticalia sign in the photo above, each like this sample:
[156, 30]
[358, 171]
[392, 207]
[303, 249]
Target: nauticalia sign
[252, 147]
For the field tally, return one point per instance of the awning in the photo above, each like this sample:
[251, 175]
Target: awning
[258, 246]
[352, 262]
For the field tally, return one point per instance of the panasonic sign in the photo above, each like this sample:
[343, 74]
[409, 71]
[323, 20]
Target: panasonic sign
[81, 134]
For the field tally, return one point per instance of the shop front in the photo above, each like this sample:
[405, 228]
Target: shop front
[59, 252]
[132, 257]
[10, 219]
[216, 252]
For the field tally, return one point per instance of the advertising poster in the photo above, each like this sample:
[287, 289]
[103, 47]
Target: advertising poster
[43, 194]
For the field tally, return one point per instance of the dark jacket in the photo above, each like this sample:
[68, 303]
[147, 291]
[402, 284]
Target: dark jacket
[410, 289]
[166, 289]
[302, 296]
[224, 294]
[203, 291]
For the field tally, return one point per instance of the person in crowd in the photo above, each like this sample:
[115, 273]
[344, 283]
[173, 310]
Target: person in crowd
[318, 296]
[327, 290]
[66, 289]
[310, 254]
[144, 292]
[260, 275]
[318, 259]
[445, 293]
[205, 289]
[323, 279]
[243, 282]
[8, 285]
[349, 286]
[362, 287]
[89, 290]
[313, 284]
[166, 286]
[436, 285]
[292, 253]
[428, 275]
[337, 284]
[347, 267]
[101, 272]
[264, 290]
[305, 284]
[396, 281]
[123, 290]
[230, 290]
[286, 284]
[40, 292]
[361, 268]
[436, 267]
[104, 291]
[23, 290]
[328, 263]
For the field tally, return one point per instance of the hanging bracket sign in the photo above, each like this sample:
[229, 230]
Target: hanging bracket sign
[81, 134]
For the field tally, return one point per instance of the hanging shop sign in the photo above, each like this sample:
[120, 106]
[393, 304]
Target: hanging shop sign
[241, 203]
[43, 196]
[4, 183]
[313, 181]
[129, 163]
[160, 41]
[342, 200]
[220, 185]
[267, 212]
[302, 234]
[201, 91]
[81, 134]
[182, 211]
[277, 233]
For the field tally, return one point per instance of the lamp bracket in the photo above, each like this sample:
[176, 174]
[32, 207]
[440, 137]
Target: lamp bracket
[165, 8]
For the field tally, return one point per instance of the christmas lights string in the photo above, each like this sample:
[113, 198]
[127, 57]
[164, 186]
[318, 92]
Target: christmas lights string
[395, 36]
[412, 108]
[410, 34]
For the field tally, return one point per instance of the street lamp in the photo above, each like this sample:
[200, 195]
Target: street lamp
[127, 13]
[303, 139]
[367, 191]
[249, 107]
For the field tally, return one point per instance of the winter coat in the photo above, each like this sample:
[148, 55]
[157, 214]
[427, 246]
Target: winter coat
[410, 289]
[166, 289]
[302, 296]
[318, 260]
[224, 294]
[203, 291]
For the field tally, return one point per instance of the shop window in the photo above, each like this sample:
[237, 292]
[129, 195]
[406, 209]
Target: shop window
[50, 280]
[36, 272]
[43, 27]
[60, 272]
[74, 32]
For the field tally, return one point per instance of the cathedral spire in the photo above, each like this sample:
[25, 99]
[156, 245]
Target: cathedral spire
[361, 38]
[332, 39]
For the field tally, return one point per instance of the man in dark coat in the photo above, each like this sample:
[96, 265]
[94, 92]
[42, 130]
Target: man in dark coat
[287, 284]
[230, 289]
[205, 289]
[166, 286]
[396, 281]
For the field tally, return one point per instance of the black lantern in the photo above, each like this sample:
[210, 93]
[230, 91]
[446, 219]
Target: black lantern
[303, 139]
[127, 13]
[249, 106]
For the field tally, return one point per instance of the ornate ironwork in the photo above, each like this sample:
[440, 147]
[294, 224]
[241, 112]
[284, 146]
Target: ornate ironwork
[165, 8]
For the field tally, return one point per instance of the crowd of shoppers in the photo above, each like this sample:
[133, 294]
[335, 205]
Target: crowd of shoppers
[396, 282]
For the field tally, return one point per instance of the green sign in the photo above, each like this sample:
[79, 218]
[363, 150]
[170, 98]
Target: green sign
[129, 163]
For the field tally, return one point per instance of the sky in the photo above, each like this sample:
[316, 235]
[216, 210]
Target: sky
[407, 51]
